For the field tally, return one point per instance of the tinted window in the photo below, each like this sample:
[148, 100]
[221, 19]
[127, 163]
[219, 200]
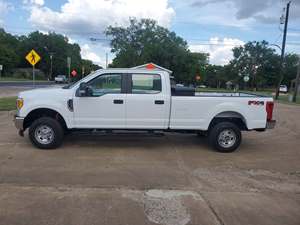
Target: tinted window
[104, 84]
[146, 83]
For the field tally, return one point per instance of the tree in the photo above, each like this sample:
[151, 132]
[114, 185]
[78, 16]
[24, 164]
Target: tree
[289, 68]
[8, 51]
[144, 41]
[89, 67]
[214, 76]
[55, 44]
[256, 60]
[13, 50]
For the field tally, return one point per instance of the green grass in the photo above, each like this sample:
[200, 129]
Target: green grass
[285, 99]
[8, 103]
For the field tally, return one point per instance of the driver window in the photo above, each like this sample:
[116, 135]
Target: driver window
[106, 84]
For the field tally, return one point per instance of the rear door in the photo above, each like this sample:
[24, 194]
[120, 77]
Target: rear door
[147, 105]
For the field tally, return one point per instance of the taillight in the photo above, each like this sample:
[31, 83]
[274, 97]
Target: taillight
[269, 109]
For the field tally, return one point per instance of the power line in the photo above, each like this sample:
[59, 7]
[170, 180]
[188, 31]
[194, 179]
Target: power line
[199, 41]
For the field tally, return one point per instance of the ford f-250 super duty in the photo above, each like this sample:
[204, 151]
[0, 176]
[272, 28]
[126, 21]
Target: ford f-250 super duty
[140, 99]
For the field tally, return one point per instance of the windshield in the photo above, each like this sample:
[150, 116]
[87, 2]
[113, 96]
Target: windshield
[71, 85]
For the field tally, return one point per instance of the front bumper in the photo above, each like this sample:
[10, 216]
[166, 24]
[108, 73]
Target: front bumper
[19, 122]
[271, 124]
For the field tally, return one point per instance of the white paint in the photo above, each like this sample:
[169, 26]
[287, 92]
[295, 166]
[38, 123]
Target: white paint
[139, 111]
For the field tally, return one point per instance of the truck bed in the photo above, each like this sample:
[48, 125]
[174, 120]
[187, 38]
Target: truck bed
[226, 94]
[196, 112]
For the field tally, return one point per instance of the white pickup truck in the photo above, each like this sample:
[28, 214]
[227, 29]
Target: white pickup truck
[140, 99]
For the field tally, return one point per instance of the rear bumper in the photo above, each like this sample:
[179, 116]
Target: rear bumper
[19, 122]
[271, 124]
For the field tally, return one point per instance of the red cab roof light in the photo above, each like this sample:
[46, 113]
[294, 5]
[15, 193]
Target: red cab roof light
[150, 66]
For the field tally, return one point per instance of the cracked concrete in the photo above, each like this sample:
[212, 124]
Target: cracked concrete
[169, 180]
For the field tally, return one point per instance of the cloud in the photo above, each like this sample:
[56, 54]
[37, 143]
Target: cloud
[266, 19]
[88, 53]
[293, 34]
[5, 7]
[90, 17]
[262, 11]
[220, 50]
[34, 2]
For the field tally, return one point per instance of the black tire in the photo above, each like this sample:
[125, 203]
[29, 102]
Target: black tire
[233, 134]
[57, 131]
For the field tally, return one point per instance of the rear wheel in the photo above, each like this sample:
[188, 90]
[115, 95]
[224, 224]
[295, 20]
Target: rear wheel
[46, 133]
[225, 137]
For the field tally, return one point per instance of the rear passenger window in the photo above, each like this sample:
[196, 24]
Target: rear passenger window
[146, 83]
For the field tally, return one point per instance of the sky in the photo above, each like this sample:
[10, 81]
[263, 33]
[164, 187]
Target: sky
[213, 26]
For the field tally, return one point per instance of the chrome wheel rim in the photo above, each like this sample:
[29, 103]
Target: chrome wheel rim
[44, 134]
[227, 138]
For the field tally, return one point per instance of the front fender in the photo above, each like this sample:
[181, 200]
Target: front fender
[62, 110]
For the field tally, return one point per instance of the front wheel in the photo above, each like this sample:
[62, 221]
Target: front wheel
[225, 137]
[46, 133]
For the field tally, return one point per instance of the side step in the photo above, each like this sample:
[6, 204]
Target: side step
[119, 132]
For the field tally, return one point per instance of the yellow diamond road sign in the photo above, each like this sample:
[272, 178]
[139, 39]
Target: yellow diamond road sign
[32, 57]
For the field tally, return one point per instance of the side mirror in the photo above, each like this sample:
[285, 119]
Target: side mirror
[85, 90]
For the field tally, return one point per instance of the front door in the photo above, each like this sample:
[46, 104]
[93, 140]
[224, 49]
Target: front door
[147, 106]
[106, 107]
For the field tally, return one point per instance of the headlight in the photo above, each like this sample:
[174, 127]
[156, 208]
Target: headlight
[20, 103]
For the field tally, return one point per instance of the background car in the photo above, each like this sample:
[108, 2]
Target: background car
[61, 79]
[283, 89]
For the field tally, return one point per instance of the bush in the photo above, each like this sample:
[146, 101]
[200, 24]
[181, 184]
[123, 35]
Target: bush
[26, 73]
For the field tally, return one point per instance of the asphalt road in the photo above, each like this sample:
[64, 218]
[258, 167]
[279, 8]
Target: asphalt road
[136, 179]
[14, 88]
[25, 83]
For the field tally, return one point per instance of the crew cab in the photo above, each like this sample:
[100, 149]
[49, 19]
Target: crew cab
[143, 100]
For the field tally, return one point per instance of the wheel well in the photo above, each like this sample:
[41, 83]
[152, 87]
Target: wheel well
[42, 112]
[230, 116]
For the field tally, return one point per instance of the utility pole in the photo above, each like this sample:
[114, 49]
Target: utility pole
[51, 58]
[69, 68]
[51, 64]
[1, 67]
[106, 64]
[283, 48]
[297, 82]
